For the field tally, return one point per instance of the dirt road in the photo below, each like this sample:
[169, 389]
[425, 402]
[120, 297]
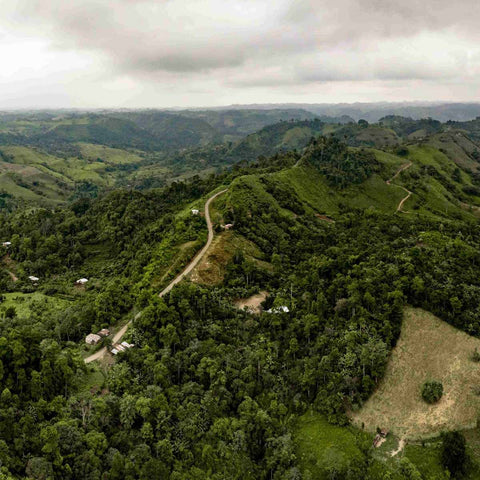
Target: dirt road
[409, 193]
[118, 336]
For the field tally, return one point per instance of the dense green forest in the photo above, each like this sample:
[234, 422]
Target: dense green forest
[353, 223]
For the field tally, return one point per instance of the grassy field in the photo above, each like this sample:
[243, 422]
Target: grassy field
[211, 269]
[313, 189]
[321, 446]
[24, 303]
[428, 349]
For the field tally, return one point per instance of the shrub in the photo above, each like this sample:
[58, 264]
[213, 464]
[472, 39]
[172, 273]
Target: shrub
[476, 355]
[432, 391]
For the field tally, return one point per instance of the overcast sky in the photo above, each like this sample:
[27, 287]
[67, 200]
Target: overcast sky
[164, 53]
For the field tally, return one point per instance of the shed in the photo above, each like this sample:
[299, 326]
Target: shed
[281, 309]
[92, 339]
[81, 281]
[195, 211]
[228, 226]
[104, 332]
[33, 279]
[6, 244]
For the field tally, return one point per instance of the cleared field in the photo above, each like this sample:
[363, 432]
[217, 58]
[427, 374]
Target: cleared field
[323, 449]
[212, 268]
[252, 303]
[428, 349]
[26, 303]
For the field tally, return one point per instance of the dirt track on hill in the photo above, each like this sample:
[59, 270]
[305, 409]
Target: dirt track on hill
[409, 193]
[118, 336]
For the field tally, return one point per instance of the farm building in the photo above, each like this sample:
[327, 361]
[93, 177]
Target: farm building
[120, 347]
[92, 339]
[281, 309]
[81, 281]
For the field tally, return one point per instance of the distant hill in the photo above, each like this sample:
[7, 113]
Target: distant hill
[374, 111]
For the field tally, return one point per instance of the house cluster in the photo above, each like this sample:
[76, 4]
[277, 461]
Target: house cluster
[120, 347]
[95, 338]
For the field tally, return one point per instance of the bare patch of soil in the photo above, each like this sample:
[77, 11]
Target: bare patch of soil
[252, 303]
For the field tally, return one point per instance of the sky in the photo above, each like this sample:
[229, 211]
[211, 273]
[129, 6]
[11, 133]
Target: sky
[193, 53]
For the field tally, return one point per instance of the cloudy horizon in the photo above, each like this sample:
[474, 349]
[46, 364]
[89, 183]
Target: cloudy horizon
[151, 54]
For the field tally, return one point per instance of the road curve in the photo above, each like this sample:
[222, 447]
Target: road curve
[194, 262]
[409, 193]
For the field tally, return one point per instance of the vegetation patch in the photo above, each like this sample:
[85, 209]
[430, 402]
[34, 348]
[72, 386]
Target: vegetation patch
[212, 268]
[427, 348]
[327, 451]
[26, 304]
[432, 391]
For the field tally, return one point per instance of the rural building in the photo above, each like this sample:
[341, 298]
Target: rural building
[120, 347]
[281, 309]
[104, 332]
[195, 211]
[92, 339]
[6, 244]
[33, 279]
[228, 226]
[379, 438]
[81, 281]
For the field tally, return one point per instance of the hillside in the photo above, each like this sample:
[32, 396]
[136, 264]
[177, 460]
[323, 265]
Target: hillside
[427, 349]
[339, 242]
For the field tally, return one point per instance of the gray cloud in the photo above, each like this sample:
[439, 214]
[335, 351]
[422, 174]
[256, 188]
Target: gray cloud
[192, 45]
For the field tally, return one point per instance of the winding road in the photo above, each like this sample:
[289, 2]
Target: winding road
[409, 193]
[194, 262]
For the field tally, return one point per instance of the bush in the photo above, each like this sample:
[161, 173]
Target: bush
[476, 355]
[432, 391]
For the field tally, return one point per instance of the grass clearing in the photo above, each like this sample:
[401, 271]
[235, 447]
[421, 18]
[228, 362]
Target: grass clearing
[212, 268]
[25, 303]
[322, 446]
[428, 349]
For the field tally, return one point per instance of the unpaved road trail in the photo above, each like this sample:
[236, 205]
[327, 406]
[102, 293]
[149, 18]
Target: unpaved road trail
[401, 444]
[408, 192]
[12, 276]
[118, 336]
[400, 205]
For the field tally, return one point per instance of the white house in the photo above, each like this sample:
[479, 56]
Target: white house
[281, 309]
[81, 281]
[92, 339]
[195, 211]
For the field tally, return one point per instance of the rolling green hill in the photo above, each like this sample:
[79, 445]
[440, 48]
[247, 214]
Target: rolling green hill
[337, 237]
